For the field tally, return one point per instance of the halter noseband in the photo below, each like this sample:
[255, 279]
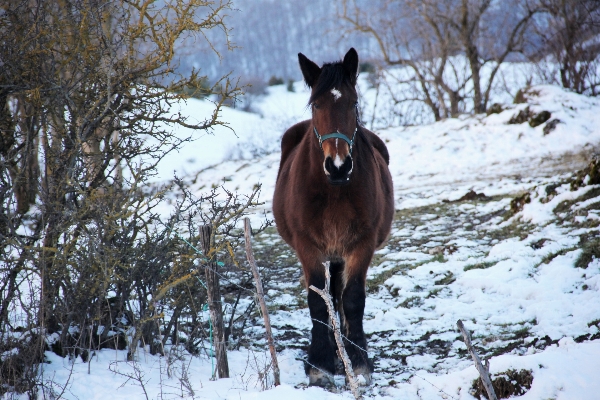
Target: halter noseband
[336, 135]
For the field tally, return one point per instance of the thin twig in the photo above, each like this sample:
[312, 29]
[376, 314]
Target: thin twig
[485, 377]
[261, 300]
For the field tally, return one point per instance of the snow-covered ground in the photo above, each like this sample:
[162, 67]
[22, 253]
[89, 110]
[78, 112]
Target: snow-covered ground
[509, 275]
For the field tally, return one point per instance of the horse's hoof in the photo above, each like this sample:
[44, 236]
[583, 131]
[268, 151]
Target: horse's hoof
[320, 378]
[363, 376]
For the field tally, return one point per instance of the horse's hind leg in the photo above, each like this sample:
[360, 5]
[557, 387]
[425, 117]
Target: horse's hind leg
[320, 367]
[353, 304]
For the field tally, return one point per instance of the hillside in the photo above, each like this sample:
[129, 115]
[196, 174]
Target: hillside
[492, 226]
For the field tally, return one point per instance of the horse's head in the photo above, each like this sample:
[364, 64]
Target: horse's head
[334, 104]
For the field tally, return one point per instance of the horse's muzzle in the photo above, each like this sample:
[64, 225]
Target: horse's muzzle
[338, 172]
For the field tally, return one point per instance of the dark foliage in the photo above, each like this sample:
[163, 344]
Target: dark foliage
[521, 117]
[539, 118]
[518, 202]
[506, 384]
[551, 125]
[590, 251]
[590, 175]
[495, 108]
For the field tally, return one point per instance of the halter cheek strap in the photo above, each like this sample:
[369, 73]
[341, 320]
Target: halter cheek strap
[336, 135]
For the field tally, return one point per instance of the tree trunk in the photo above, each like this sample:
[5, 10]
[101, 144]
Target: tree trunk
[214, 304]
[469, 28]
[475, 65]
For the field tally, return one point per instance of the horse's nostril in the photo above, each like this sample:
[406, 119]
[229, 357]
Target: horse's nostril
[338, 171]
[329, 166]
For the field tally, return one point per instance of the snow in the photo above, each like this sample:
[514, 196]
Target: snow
[443, 267]
[564, 372]
[209, 148]
[539, 213]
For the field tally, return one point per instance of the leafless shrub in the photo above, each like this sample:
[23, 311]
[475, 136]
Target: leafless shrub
[136, 377]
[85, 94]
[569, 51]
[257, 372]
[450, 52]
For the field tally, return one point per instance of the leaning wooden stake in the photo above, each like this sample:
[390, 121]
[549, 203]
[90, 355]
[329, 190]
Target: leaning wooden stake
[261, 300]
[213, 289]
[335, 325]
[483, 372]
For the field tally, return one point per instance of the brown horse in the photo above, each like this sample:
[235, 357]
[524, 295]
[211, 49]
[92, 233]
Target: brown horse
[334, 202]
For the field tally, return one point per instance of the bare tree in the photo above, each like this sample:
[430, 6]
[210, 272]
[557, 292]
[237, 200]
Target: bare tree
[428, 37]
[569, 31]
[423, 47]
[489, 32]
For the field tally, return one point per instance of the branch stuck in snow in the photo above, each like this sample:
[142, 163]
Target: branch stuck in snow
[335, 325]
[485, 377]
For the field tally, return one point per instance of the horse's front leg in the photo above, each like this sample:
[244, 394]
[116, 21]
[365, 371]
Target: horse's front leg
[320, 367]
[353, 306]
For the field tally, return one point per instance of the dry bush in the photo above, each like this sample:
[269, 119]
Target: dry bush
[85, 95]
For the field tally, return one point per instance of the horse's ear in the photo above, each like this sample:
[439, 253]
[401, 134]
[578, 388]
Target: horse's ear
[351, 64]
[310, 70]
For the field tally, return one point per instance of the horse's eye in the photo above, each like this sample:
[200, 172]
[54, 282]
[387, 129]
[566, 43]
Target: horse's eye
[315, 105]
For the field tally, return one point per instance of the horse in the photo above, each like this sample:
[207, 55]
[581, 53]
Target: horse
[333, 201]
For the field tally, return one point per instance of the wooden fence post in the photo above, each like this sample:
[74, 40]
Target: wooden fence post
[483, 372]
[261, 300]
[215, 308]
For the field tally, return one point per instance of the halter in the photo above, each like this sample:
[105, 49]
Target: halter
[336, 135]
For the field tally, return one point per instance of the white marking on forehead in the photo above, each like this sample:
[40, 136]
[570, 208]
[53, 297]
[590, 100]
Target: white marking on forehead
[336, 94]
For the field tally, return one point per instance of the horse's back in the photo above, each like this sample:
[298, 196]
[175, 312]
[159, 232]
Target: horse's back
[378, 145]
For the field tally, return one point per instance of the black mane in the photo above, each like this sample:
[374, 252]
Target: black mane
[333, 75]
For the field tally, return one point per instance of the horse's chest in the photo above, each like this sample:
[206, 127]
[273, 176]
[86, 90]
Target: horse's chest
[337, 227]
